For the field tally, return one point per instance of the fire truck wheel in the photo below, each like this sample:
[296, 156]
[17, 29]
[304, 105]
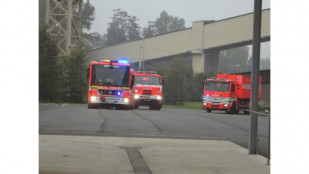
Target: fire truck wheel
[246, 112]
[233, 109]
[135, 106]
[125, 107]
[208, 110]
[151, 107]
[158, 107]
[90, 106]
[155, 106]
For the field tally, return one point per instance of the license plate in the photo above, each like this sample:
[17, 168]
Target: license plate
[112, 100]
[146, 97]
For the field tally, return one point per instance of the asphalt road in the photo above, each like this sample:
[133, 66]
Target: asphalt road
[77, 119]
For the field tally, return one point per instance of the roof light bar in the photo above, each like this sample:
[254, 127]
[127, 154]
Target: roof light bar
[148, 72]
[123, 61]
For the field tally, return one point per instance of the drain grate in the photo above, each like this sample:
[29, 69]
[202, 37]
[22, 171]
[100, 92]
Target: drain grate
[137, 161]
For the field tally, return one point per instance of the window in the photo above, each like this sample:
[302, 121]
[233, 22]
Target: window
[217, 86]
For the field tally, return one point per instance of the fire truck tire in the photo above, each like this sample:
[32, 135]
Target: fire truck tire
[208, 110]
[151, 107]
[90, 106]
[155, 106]
[125, 107]
[135, 106]
[246, 112]
[158, 107]
[233, 109]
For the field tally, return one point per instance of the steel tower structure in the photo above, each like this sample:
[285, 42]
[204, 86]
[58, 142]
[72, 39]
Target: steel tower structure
[63, 18]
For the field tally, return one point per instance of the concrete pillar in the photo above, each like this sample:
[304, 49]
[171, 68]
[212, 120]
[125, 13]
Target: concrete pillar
[211, 61]
[198, 56]
[198, 61]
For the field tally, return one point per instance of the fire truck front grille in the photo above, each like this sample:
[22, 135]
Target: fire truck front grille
[107, 92]
[146, 91]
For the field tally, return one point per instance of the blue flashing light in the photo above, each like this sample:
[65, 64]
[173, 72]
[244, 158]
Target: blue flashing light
[123, 61]
[118, 93]
[207, 95]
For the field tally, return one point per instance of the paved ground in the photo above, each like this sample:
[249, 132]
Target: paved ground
[66, 154]
[77, 119]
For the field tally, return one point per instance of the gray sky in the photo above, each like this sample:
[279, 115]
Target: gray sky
[190, 10]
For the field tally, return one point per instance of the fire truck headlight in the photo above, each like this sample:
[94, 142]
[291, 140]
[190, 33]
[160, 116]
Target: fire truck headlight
[126, 100]
[93, 98]
[159, 97]
[204, 103]
[225, 105]
[136, 96]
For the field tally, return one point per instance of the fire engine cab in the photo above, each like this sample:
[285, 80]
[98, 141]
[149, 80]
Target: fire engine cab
[148, 90]
[228, 92]
[110, 84]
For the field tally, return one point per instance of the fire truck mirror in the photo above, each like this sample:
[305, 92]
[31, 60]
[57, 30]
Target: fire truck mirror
[132, 81]
[162, 81]
[233, 88]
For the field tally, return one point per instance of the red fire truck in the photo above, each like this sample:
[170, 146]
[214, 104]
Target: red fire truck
[110, 84]
[227, 92]
[148, 90]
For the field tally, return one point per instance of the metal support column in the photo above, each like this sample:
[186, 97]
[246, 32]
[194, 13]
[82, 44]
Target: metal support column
[63, 18]
[68, 27]
[255, 75]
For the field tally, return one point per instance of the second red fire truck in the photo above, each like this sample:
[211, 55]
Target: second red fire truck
[229, 93]
[148, 90]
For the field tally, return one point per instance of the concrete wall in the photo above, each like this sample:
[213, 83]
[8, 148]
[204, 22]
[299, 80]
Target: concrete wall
[234, 30]
[196, 41]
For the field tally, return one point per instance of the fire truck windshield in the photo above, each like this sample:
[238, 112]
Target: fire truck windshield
[147, 80]
[217, 86]
[110, 75]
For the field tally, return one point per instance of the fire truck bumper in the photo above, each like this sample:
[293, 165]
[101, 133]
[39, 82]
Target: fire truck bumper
[217, 106]
[110, 100]
[147, 99]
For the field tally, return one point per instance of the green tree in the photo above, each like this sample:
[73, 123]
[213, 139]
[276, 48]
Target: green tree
[176, 88]
[264, 63]
[90, 40]
[197, 85]
[149, 30]
[122, 28]
[76, 85]
[234, 60]
[163, 24]
[93, 40]
[133, 29]
[51, 86]
[166, 23]
[88, 15]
